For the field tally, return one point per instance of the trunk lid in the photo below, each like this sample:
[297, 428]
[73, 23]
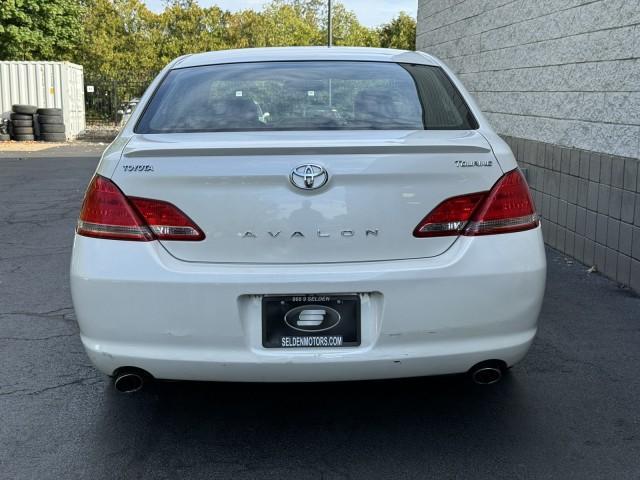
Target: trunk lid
[237, 188]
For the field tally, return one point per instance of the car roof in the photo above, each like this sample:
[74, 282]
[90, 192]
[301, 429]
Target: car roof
[304, 53]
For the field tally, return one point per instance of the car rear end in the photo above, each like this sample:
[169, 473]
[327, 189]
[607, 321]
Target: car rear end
[370, 226]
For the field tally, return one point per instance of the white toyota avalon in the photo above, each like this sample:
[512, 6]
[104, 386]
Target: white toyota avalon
[306, 214]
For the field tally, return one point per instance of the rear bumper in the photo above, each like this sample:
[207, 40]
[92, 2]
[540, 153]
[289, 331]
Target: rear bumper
[138, 306]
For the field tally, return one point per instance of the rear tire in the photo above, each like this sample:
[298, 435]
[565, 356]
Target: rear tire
[51, 128]
[53, 137]
[50, 120]
[48, 112]
[24, 138]
[25, 109]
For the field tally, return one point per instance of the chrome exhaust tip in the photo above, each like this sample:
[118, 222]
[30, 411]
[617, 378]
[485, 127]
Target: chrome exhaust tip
[127, 381]
[487, 373]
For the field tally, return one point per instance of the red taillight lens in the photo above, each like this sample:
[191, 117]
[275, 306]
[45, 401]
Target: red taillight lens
[450, 217]
[108, 213]
[508, 207]
[166, 221]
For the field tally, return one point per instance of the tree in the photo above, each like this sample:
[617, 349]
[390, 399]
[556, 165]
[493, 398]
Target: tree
[290, 23]
[348, 31]
[399, 33]
[123, 39]
[39, 29]
[185, 27]
[120, 39]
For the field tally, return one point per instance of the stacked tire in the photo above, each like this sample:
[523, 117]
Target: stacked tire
[22, 125]
[51, 125]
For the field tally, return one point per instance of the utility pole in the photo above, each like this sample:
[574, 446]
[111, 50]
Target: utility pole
[329, 27]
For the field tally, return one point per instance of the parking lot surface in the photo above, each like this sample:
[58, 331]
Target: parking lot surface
[571, 410]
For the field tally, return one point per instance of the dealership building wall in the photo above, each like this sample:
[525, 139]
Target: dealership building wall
[560, 81]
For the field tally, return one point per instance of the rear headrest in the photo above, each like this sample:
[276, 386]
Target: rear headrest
[239, 109]
[374, 105]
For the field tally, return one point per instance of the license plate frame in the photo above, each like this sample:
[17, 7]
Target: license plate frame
[293, 321]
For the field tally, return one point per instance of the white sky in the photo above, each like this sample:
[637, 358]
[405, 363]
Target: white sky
[370, 12]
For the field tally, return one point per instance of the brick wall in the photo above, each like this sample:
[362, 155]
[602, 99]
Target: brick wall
[590, 205]
[565, 72]
[560, 81]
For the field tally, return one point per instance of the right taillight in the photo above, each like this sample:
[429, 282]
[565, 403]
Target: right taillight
[507, 207]
[108, 213]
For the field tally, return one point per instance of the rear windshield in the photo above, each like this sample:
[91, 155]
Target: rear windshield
[310, 95]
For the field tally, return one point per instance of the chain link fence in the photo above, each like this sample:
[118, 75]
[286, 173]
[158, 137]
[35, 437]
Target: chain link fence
[108, 100]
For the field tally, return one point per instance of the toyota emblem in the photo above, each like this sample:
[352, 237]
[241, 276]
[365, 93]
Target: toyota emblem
[309, 176]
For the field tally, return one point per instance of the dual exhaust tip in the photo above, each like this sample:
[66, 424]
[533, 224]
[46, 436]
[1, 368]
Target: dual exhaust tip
[131, 380]
[487, 372]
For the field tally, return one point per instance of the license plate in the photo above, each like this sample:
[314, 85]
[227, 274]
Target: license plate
[311, 321]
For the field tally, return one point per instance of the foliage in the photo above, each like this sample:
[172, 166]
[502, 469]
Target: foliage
[124, 39]
[399, 33]
[184, 27]
[119, 38]
[347, 31]
[39, 29]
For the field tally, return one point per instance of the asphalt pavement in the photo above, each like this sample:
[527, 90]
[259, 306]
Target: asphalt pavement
[570, 410]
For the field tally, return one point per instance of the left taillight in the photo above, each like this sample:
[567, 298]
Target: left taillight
[108, 213]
